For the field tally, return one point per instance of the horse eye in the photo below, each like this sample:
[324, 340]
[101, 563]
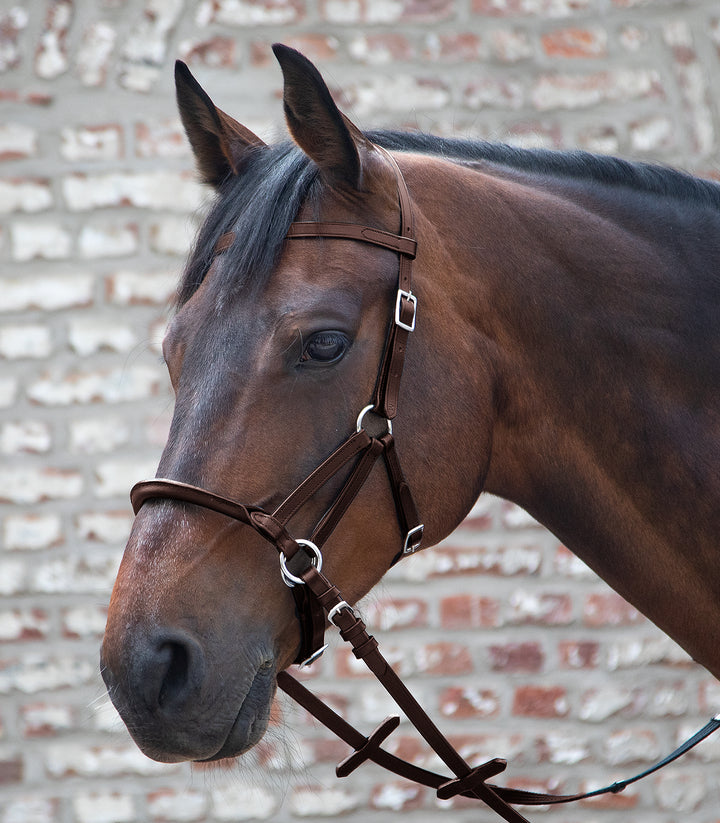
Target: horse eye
[325, 347]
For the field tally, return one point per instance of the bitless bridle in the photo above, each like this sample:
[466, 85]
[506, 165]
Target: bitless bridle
[318, 600]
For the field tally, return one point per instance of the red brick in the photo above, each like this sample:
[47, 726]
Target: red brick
[46, 719]
[610, 609]
[457, 47]
[465, 703]
[469, 611]
[382, 48]
[11, 771]
[540, 701]
[622, 801]
[213, 52]
[505, 561]
[540, 609]
[575, 42]
[316, 47]
[443, 659]
[517, 657]
[579, 654]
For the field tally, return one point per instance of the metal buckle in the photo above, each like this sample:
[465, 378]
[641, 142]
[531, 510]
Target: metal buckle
[413, 539]
[313, 657]
[336, 610]
[290, 579]
[410, 297]
[361, 417]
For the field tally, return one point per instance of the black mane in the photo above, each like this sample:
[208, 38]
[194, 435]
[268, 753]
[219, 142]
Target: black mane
[262, 200]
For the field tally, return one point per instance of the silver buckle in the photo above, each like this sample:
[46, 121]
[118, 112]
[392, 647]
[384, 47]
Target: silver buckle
[410, 297]
[313, 657]
[290, 579]
[336, 610]
[413, 539]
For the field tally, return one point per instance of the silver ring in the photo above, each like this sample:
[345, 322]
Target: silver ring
[289, 578]
[365, 411]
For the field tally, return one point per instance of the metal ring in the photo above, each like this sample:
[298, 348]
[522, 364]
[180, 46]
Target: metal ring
[289, 578]
[365, 411]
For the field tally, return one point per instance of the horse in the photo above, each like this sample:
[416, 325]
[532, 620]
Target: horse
[559, 347]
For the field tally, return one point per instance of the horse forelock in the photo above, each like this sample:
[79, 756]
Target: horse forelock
[258, 204]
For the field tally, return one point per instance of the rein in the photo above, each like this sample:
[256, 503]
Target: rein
[318, 601]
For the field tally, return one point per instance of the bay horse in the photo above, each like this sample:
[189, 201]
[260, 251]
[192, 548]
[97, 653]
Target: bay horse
[559, 347]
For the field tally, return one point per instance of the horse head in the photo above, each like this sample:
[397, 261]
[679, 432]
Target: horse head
[275, 348]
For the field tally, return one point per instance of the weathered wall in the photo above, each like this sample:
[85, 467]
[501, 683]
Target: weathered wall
[514, 646]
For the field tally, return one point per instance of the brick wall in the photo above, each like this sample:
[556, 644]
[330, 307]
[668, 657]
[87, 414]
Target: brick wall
[513, 645]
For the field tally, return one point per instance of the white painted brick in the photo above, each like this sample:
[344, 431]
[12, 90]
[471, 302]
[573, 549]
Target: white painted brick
[29, 810]
[237, 802]
[105, 527]
[24, 196]
[244, 13]
[681, 791]
[103, 808]
[177, 806]
[96, 761]
[88, 335]
[31, 436]
[116, 386]
[8, 391]
[22, 624]
[48, 241]
[91, 143]
[84, 621]
[47, 293]
[107, 241]
[51, 55]
[40, 672]
[42, 719]
[400, 92]
[172, 235]
[117, 477]
[138, 77]
[91, 61]
[105, 717]
[134, 288]
[630, 746]
[152, 190]
[17, 140]
[322, 802]
[29, 532]
[13, 577]
[89, 574]
[32, 484]
[98, 434]
[161, 138]
[25, 341]
[12, 22]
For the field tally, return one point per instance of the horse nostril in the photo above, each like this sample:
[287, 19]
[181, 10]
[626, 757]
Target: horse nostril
[175, 680]
[173, 671]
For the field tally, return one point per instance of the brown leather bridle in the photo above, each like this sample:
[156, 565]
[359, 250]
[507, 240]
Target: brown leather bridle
[318, 600]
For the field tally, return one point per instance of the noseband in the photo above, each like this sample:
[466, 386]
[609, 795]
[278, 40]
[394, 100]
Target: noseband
[318, 601]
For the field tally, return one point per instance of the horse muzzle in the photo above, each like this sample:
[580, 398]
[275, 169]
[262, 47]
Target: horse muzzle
[178, 705]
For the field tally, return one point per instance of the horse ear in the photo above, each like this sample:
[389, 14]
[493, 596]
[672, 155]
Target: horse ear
[217, 140]
[315, 122]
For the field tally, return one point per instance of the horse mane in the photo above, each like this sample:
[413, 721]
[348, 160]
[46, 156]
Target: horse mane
[261, 201]
[578, 165]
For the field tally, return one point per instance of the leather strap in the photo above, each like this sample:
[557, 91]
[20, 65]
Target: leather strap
[352, 231]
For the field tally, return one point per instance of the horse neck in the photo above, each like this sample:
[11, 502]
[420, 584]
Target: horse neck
[576, 305]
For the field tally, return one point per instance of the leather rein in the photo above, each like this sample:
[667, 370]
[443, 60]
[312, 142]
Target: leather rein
[318, 601]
